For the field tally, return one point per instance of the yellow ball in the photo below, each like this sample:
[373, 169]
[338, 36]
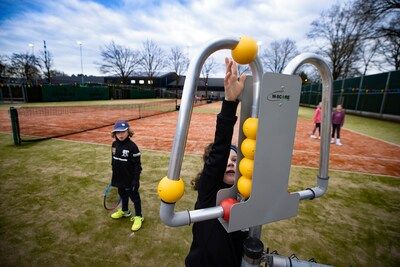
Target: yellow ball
[245, 51]
[244, 186]
[246, 167]
[170, 191]
[250, 127]
[248, 148]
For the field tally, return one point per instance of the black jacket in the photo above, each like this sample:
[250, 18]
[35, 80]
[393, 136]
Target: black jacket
[126, 166]
[212, 245]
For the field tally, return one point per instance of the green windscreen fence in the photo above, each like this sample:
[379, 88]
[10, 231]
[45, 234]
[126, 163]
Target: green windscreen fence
[378, 93]
[51, 93]
[11, 93]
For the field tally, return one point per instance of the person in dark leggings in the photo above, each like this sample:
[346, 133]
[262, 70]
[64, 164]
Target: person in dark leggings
[337, 123]
[317, 121]
[126, 169]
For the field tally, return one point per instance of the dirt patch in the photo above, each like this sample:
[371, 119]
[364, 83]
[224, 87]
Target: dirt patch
[359, 153]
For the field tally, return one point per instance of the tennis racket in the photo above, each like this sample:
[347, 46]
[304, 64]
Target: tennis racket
[111, 197]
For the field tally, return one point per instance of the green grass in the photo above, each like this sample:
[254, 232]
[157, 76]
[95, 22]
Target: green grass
[52, 214]
[384, 130]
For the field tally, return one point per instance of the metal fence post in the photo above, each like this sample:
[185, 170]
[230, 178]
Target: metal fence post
[24, 93]
[15, 126]
[340, 100]
[385, 92]
[10, 94]
[359, 92]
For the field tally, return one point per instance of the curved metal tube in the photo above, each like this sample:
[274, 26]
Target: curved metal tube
[257, 70]
[326, 75]
[185, 110]
[167, 214]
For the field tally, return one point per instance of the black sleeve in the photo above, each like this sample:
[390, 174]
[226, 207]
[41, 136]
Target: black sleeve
[215, 165]
[112, 148]
[135, 159]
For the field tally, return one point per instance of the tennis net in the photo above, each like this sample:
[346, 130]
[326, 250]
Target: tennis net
[39, 123]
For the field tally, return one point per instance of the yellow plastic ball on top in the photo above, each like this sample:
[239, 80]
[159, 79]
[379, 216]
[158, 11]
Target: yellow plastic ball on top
[248, 148]
[250, 127]
[170, 191]
[244, 186]
[245, 51]
[246, 167]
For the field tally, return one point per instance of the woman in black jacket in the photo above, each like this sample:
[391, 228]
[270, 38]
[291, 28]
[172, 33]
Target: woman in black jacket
[212, 245]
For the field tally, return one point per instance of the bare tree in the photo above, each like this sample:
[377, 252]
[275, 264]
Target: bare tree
[118, 60]
[341, 34]
[383, 17]
[310, 73]
[208, 68]
[368, 53]
[58, 73]
[26, 66]
[179, 62]
[376, 9]
[4, 67]
[47, 59]
[151, 58]
[277, 56]
[390, 47]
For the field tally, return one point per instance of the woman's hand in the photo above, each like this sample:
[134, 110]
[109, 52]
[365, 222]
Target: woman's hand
[233, 86]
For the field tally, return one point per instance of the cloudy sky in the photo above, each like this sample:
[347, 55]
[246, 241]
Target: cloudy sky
[189, 24]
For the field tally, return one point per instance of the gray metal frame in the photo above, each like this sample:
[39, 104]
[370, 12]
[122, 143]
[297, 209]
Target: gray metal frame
[287, 203]
[167, 213]
[326, 76]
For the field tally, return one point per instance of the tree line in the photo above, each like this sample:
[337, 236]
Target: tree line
[353, 37]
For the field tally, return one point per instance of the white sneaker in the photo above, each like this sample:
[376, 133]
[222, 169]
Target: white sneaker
[313, 136]
[332, 140]
[338, 142]
[319, 137]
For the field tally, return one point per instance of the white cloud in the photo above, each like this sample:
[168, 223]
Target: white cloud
[62, 23]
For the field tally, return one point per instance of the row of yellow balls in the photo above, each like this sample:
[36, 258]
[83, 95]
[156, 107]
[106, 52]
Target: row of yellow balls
[248, 148]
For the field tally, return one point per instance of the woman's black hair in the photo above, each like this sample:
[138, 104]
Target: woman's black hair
[206, 154]
[207, 150]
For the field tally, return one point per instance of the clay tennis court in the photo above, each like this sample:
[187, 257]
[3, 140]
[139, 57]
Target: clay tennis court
[359, 153]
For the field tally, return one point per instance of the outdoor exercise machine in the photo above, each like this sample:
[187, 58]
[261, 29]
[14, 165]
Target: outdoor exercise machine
[268, 118]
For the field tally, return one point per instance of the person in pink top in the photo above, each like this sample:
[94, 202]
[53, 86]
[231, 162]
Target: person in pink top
[337, 123]
[317, 121]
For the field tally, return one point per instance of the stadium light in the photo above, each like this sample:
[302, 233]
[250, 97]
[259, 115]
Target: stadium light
[259, 43]
[80, 43]
[188, 46]
[32, 46]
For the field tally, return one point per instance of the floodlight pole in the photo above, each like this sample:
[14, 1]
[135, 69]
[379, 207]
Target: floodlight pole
[80, 49]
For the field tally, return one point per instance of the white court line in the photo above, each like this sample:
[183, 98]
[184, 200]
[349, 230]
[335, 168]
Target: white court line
[375, 138]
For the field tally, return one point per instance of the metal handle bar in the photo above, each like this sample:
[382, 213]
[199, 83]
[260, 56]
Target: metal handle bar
[322, 67]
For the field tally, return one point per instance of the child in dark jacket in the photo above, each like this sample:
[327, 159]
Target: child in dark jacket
[126, 169]
[337, 123]
[212, 245]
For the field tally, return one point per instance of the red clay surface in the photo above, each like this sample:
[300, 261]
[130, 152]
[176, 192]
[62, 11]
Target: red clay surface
[359, 153]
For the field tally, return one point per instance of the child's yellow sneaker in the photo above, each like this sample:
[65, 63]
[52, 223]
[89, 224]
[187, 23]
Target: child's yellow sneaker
[137, 222]
[120, 213]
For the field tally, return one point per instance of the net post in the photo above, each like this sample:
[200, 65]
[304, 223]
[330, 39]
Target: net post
[15, 126]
